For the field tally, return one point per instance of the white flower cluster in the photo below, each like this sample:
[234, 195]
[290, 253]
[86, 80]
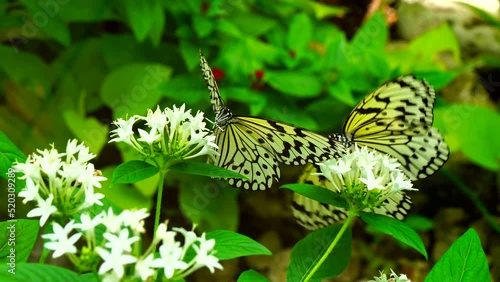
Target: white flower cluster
[365, 172]
[60, 182]
[119, 248]
[392, 278]
[173, 133]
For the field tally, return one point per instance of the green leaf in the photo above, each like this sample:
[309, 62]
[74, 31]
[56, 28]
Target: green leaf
[293, 83]
[125, 196]
[307, 252]
[190, 53]
[26, 69]
[342, 91]
[427, 48]
[9, 153]
[212, 204]
[252, 24]
[140, 16]
[419, 223]
[133, 88]
[396, 229]
[470, 129]
[202, 25]
[48, 20]
[35, 272]
[204, 169]
[251, 276]
[89, 130]
[17, 240]
[255, 100]
[183, 83]
[85, 10]
[133, 171]
[231, 245]
[300, 33]
[372, 35]
[492, 20]
[463, 261]
[318, 193]
[158, 24]
[322, 11]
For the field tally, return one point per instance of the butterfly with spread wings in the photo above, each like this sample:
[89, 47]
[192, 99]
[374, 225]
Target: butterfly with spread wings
[395, 119]
[254, 147]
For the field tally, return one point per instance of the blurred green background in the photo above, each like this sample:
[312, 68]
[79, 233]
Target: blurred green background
[68, 68]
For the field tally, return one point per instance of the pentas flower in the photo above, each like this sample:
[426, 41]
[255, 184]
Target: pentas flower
[365, 178]
[173, 133]
[393, 277]
[60, 183]
[172, 253]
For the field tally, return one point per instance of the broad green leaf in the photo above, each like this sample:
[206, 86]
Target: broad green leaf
[231, 245]
[204, 169]
[158, 24]
[183, 83]
[307, 252]
[133, 171]
[133, 88]
[83, 10]
[342, 91]
[140, 16]
[372, 35]
[470, 129]
[464, 261]
[89, 130]
[427, 47]
[131, 51]
[9, 153]
[396, 229]
[202, 25]
[35, 272]
[294, 83]
[300, 33]
[26, 69]
[255, 100]
[190, 53]
[251, 276]
[88, 277]
[318, 193]
[212, 204]
[126, 196]
[322, 11]
[227, 27]
[44, 17]
[419, 223]
[252, 24]
[17, 240]
[72, 77]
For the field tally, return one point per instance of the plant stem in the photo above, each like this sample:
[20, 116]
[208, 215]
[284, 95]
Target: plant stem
[346, 224]
[158, 199]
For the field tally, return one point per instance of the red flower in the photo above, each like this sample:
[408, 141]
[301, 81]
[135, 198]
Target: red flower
[259, 74]
[218, 73]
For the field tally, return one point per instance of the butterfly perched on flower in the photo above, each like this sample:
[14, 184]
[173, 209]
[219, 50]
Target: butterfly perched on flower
[254, 146]
[395, 119]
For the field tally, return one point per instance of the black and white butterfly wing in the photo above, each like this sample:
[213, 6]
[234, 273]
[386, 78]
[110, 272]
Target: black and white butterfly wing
[396, 119]
[253, 146]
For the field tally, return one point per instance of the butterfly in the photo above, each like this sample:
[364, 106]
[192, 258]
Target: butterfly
[395, 119]
[254, 146]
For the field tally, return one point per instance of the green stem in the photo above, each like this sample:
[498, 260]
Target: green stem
[158, 199]
[346, 224]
